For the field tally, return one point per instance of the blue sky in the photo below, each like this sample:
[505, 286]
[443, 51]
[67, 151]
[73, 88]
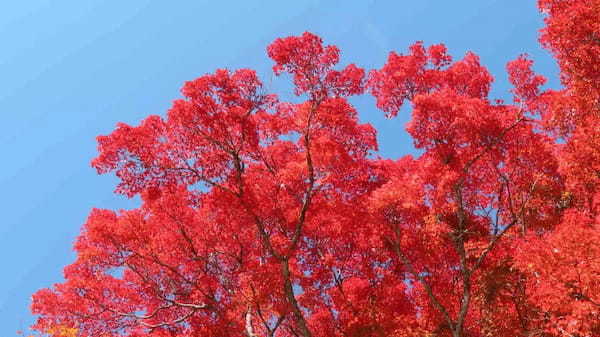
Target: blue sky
[70, 70]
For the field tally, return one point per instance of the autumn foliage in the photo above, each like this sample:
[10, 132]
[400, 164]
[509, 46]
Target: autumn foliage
[267, 218]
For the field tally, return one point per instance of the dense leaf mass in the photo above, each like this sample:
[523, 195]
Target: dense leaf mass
[267, 218]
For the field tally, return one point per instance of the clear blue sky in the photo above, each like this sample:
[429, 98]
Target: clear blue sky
[70, 70]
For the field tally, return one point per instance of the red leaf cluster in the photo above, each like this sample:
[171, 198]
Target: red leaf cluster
[261, 217]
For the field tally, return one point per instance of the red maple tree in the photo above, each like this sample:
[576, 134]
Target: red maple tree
[261, 217]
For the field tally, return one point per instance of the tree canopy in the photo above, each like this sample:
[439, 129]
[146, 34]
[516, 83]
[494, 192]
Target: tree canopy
[267, 218]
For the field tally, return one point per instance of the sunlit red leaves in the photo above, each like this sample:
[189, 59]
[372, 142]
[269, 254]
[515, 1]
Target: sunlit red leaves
[261, 217]
[311, 65]
[572, 33]
[526, 83]
[562, 268]
[424, 71]
[235, 185]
